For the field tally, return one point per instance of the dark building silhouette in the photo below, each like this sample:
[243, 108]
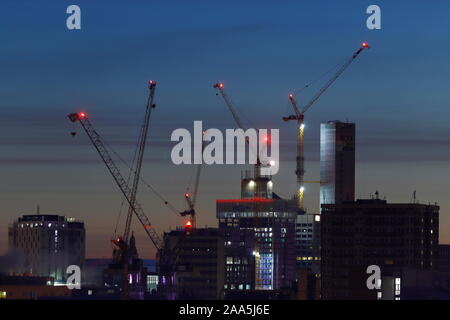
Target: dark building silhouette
[307, 245]
[128, 277]
[337, 162]
[358, 234]
[199, 265]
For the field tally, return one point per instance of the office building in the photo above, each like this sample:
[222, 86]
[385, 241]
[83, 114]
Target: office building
[48, 243]
[356, 235]
[307, 240]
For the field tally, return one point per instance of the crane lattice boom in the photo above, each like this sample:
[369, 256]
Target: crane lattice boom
[140, 157]
[118, 178]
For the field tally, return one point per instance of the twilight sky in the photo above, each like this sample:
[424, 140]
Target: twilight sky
[396, 92]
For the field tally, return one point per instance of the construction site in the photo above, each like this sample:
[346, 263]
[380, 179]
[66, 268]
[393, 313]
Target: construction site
[253, 252]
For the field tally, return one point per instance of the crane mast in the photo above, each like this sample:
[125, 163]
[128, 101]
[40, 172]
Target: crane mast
[118, 178]
[140, 157]
[220, 88]
[191, 200]
[299, 117]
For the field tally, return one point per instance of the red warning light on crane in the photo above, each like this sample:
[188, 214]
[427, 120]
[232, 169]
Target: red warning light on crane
[291, 96]
[186, 195]
[266, 139]
[365, 45]
[82, 115]
[188, 225]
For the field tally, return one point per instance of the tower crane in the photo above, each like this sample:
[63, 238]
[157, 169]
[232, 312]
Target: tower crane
[141, 148]
[220, 89]
[127, 192]
[167, 257]
[299, 117]
[191, 199]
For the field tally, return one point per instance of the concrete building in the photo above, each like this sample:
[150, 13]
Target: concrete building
[48, 244]
[259, 232]
[359, 234]
[337, 162]
[199, 270]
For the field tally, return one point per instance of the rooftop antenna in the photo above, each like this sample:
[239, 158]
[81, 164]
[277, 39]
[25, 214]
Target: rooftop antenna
[413, 200]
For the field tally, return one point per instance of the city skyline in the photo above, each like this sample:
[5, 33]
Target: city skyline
[394, 93]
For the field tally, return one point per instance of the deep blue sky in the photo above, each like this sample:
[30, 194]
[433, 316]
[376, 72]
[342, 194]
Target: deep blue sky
[396, 92]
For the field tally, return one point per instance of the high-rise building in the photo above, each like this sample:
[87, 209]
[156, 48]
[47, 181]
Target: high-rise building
[48, 245]
[356, 235]
[259, 232]
[337, 162]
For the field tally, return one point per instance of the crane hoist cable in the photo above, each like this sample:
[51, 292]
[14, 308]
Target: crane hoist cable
[148, 185]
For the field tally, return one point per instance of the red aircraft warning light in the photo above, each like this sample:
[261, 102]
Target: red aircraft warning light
[365, 45]
[82, 115]
[186, 195]
[188, 225]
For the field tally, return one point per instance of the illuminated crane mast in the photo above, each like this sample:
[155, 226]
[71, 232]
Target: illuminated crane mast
[299, 117]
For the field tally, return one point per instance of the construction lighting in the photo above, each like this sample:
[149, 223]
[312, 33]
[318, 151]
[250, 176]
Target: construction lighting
[251, 183]
[302, 189]
[272, 163]
[302, 126]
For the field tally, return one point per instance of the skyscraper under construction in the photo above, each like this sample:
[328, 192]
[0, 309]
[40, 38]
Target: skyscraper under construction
[259, 234]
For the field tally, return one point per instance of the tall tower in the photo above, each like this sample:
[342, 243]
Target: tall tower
[337, 162]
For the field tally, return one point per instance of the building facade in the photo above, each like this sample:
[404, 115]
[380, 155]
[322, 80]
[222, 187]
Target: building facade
[337, 162]
[199, 265]
[259, 237]
[356, 235]
[48, 245]
[307, 240]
